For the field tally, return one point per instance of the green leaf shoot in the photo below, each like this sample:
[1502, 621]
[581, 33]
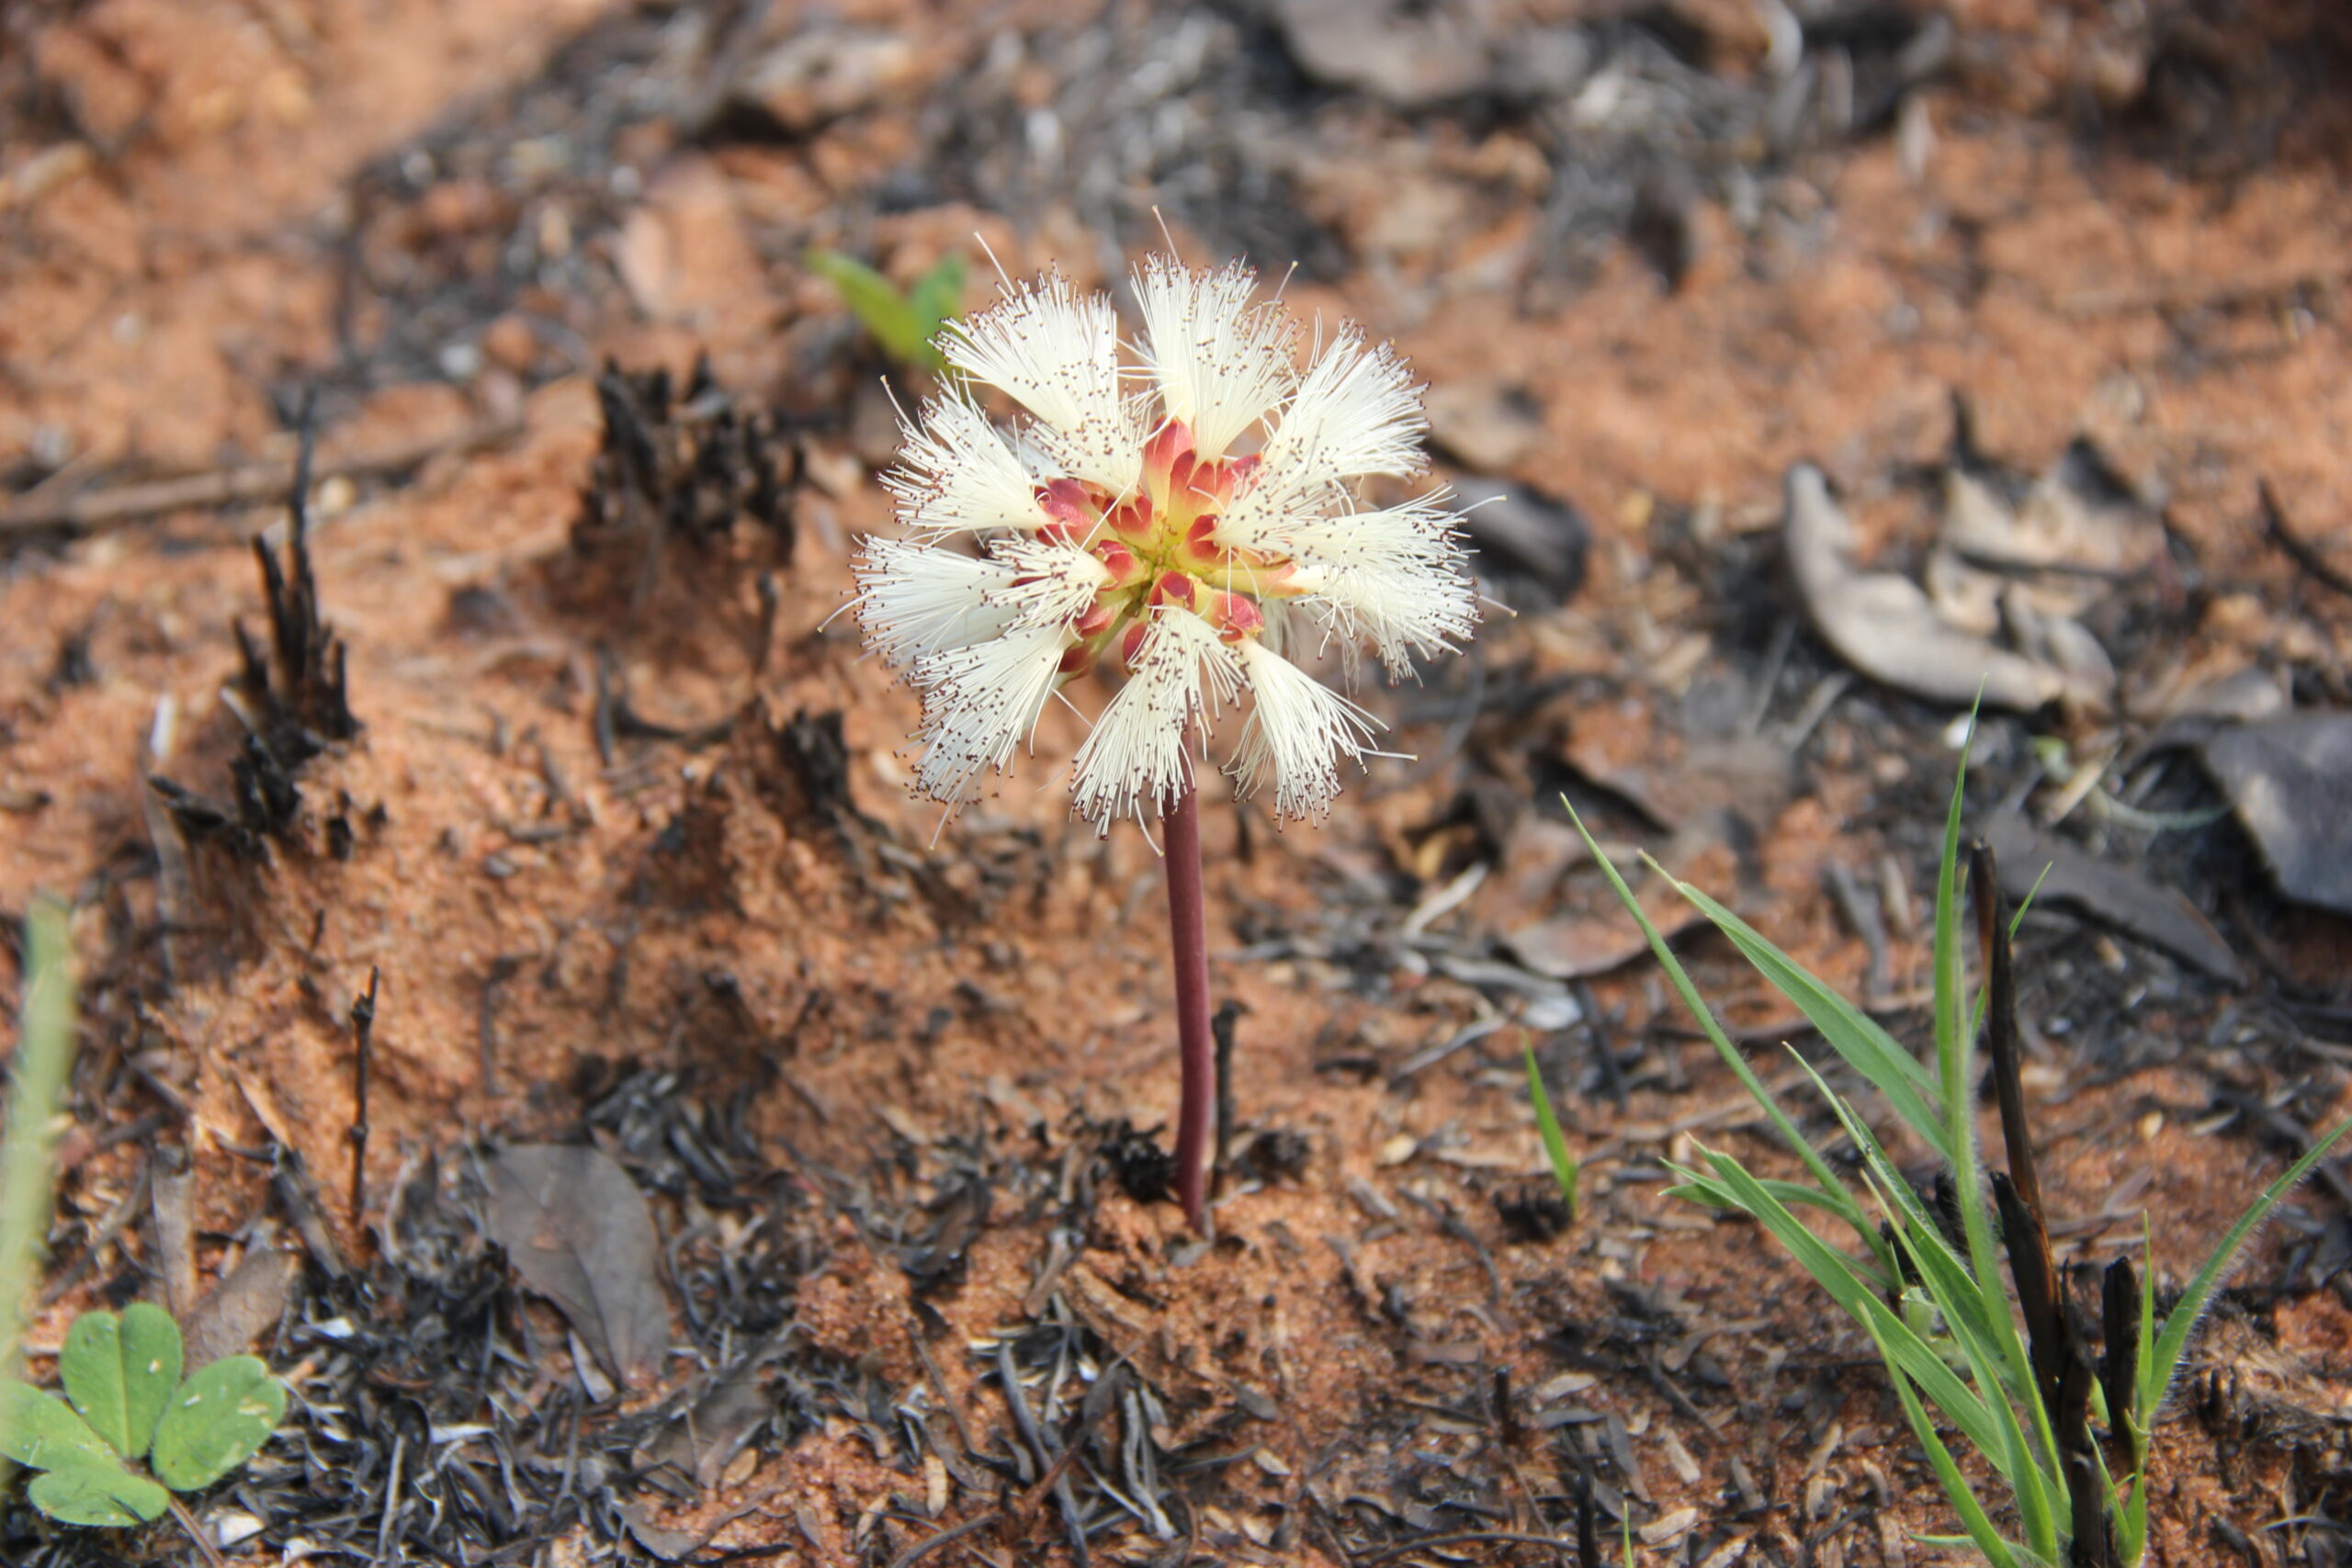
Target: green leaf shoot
[1555, 1145]
[902, 322]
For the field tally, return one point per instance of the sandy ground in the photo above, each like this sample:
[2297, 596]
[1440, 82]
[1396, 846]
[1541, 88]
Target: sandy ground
[206, 206]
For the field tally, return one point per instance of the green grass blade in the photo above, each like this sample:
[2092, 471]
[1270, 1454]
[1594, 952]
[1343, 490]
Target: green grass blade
[1979, 1319]
[1713, 1194]
[1972, 1517]
[1837, 1198]
[938, 297]
[1839, 1274]
[1956, 1025]
[2174, 1342]
[1894, 1072]
[1938, 1268]
[2034, 1489]
[1556, 1146]
[2132, 1521]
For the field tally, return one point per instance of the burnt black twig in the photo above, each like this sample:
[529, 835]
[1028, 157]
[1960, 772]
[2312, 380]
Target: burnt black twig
[2001, 1024]
[2299, 550]
[2063, 1373]
[687, 464]
[1033, 1436]
[1221, 1026]
[2119, 1362]
[362, 1030]
[300, 688]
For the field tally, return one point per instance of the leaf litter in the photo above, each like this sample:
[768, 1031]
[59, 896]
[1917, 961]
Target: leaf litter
[446, 1412]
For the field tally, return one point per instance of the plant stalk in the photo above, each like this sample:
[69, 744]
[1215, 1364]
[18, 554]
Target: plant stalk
[27, 1172]
[1188, 938]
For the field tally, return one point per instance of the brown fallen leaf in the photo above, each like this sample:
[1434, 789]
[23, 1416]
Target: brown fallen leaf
[244, 1306]
[577, 1230]
[2290, 778]
[1573, 947]
[2161, 917]
[1885, 625]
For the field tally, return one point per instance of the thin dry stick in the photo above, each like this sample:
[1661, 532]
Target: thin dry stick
[2001, 1023]
[2299, 551]
[1188, 941]
[947, 1536]
[362, 1030]
[88, 511]
[195, 1532]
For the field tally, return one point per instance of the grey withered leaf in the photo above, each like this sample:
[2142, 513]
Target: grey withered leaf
[577, 1229]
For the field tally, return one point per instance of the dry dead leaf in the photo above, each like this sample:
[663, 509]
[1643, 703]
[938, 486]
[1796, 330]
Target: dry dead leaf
[577, 1229]
[1884, 625]
[2161, 917]
[2287, 777]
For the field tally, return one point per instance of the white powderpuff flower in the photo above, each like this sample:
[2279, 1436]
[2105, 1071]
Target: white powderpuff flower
[957, 474]
[1203, 533]
[914, 601]
[1220, 362]
[1051, 583]
[1357, 413]
[1139, 754]
[1398, 607]
[1298, 732]
[1056, 352]
[981, 701]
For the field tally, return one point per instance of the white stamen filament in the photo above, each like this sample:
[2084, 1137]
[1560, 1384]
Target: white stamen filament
[1051, 583]
[958, 474]
[1356, 413]
[1299, 729]
[1399, 607]
[915, 600]
[981, 703]
[1057, 353]
[1138, 754]
[1220, 363]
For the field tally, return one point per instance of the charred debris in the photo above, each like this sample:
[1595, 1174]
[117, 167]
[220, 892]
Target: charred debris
[688, 481]
[291, 699]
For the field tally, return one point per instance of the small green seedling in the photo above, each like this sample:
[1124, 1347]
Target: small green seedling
[903, 321]
[1556, 1146]
[128, 1431]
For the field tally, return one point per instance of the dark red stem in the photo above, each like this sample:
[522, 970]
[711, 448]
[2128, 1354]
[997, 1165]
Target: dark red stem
[1188, 935]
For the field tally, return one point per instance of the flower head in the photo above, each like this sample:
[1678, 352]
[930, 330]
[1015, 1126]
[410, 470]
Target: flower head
[1191, 516]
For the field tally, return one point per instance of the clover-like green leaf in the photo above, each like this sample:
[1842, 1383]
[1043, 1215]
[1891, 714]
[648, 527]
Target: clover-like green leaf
[217, 1420]
[101, 1494]
[43, 1433]
[119, 1373]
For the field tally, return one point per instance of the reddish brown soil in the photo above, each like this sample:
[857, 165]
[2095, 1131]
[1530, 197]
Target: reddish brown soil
[156, 288]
